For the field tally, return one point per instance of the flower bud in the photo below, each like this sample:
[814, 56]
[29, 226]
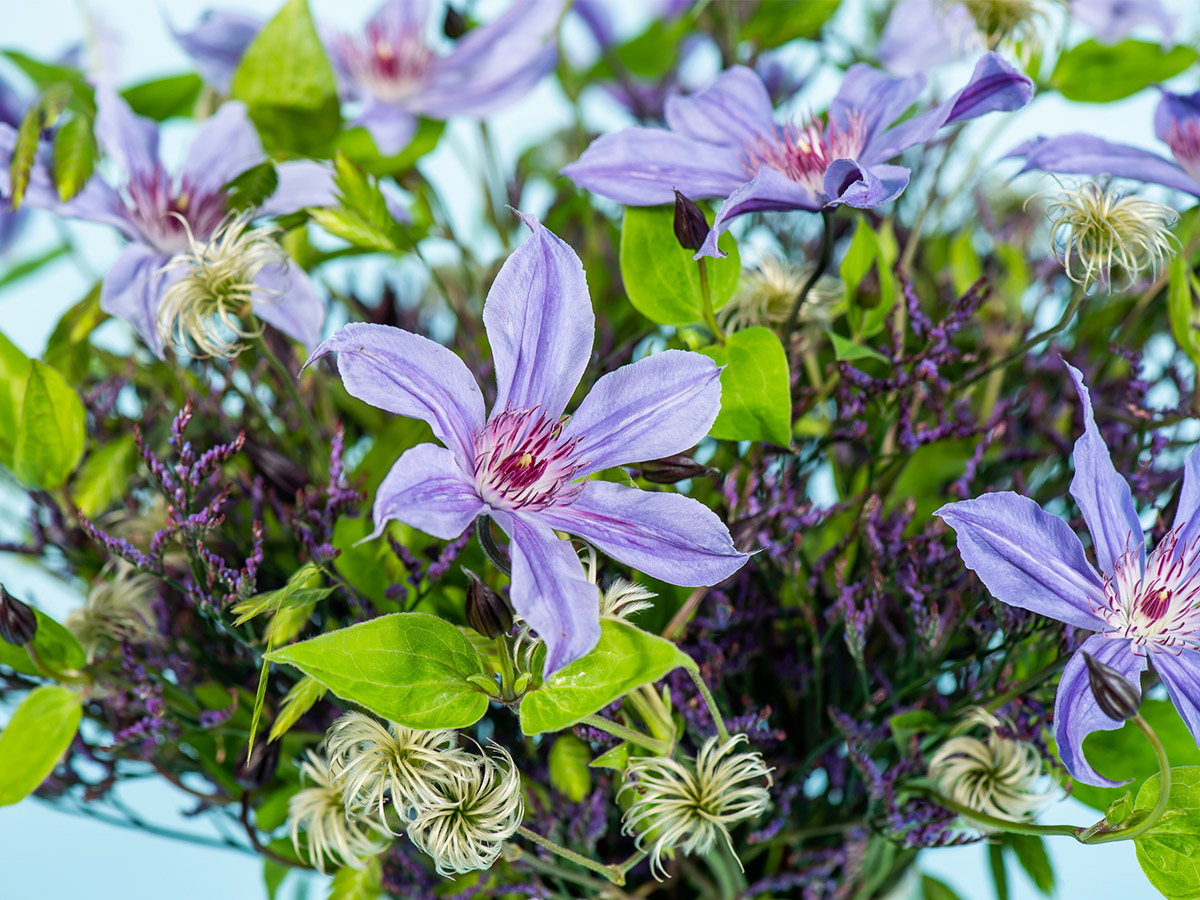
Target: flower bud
[691, 228]
[487, 611]
[284, 474]
[256, 772]
[1116, 695]
[18, 623]
[454, 25]
[671, 469]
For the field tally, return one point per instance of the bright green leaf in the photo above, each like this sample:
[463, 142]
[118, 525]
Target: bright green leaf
[299, 700]
[847, 350]
[775, 24]
[1030, 851]
[869, 250]
[910, 724]
[74, 156]
[350, 883]
[104, 476]
[411, 668]
[1181, 309]
[56, 647]
[363, 217]
[14, 372]
[756, 399]
[67, 348]
[569, 775]
[358, 144]
[164, 98]
[303, 589]
[247, 190]
[273, 875]
[1167, 852]
[1097, 73]
[35, 739]
[51, 436]
[933, 889]
[614, 758]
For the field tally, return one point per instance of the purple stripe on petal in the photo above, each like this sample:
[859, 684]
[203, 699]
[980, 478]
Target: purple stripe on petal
[410, 375]
[1103, 495]
[1181, 675]
[550, 590]
[1027, 557]
[129, 139]
[733, 110]
[668, 536]
[225, 145]
[539, 321]
[302, 182]
[768, 190]
[1083, 154]
[657, 406]
[133, 288]
[291, 303]
[1076, 714]
[428, 490]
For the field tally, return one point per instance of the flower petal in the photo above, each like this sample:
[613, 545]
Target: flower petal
[129, 139]
[217, 42]
[768, 190]
[539, 321]
[1103, 495]
[410, 375]
[427, 489]
[97, 202]
[302, 182]
[922, 34]
[847, 183]
[1076, 714]
[1181, 675]
[1027, 557]
[657, 406]
[1113, 20]
[1174, 110]
[668, 536]
[733, 110]
[550, 590]
[875, 98]
[225, 146]
[1187, 512]
[133, 288]
[391, 126]
[1083, 154]
[640, 166]
[291, 304]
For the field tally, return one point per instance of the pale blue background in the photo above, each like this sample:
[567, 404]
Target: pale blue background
[49, 855]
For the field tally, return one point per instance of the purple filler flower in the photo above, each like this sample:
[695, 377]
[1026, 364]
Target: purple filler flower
[1141, 608]
[156, 212]
[1177, 124]
[724, 142]
[526, 466]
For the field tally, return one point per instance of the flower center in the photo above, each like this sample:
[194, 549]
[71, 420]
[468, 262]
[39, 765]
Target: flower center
[522, 462]
[1184, 141]
[389, 64]
[163, 214]
[804, 151]
[1159, 610]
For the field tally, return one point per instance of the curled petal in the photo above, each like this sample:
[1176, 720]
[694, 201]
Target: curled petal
[735, 109]
[427, 489]
[847, 183]
[291, 303]
[768, 190]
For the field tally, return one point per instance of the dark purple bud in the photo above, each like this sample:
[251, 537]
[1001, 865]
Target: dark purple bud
[256, 772]
[487, 611]
[1116, 695]
[691, 228]
[454, 25]
[18, 623]
[671, 469]
[285, 475]
[745, 532]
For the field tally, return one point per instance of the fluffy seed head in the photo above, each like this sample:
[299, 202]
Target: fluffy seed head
[333, 833]
[766, 293]
[689, 806]
[1014, 24]
[623, 598]
[206, 312]
[117, 609]
[464, 827]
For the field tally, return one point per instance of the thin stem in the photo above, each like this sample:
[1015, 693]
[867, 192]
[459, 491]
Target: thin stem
[662, 748]
[679, 621]
[694, 671]
[612, 873]
[498, 558]
[517, 854]
[1160, 806]
[710, 318]
[822, 264]
[1068, 314]
[998, 824]
[252, 834]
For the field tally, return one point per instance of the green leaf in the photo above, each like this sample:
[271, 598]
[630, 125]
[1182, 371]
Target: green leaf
[363, 218]
[869, 250]
[288, 85]
[756, 399]
[302, 589]
[165, 98]
[35, 739]
[569, 775]
[965, 267]
[1120, 809]
[625, 658]
[299, 700]
[67, 348]
[105, 475]
[614, 758]
[661, 278]
[1095, 73]
[910, 724]
[1167, 852]
[247, 190]
[51, 436]
[775, 24]
[14, 372]
[357, 884]
[932, 889]
[847, 350]
[1030, 851]
[45, 75]
[74, 156]
[56, 647]
[358, 144]
[273, 875]
[24, 155]
[999, 874]
[411, 668]
[1181, 308]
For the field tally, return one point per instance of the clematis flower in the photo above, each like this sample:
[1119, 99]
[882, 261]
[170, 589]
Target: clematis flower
[1177, 124]
[11, 111]
[163, 216]
[1144, 609]
[524, 465]
[394, 71]
[724, 142]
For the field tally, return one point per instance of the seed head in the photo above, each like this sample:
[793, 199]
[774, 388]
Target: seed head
[766, 293]
[464, 827]
[118, 608]
[347, 838]
[623, 598]
[688, 807]
[1014, 24]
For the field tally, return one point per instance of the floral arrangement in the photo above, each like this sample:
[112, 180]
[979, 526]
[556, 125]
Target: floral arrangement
[767, 490]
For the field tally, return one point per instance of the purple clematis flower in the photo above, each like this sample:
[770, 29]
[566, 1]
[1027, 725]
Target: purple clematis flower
[724, 142]
[217, 42]
[157, 212]
[1142, 608]
[11, 111]
[1177, 124]
[524, 465]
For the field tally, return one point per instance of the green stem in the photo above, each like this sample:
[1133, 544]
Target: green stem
[999, 824]
[1160, 806]
[507, 675]
[694, 671]
[822, 264]
[662, 748]
[483, 532]
[710, 318]
[289, 380]
[654, 715]
[1068, 314]
[612, 873]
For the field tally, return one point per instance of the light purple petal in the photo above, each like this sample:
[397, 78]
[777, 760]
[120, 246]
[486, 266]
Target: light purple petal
[395, 18]
[410, 375]
[1103, 495]
[1181, 675]
[391, 126]
[302, 182]
[550, 590]
[655, 407]
[427, 489]
[1113, 20]
[640, 166]
[995, 86]
[1187, 512]
[874, 98]
[1083, 154]
[128, 138]
[922, 34]
[1175, 110]
[291, 303]
[863, 187]
[217, 42]
[668, 536]
[1027, 557]
[1076, 714]
[225, 146]
[133, 288]
[733, 110]
[768, 190]
[96, 202]
[539, 321]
